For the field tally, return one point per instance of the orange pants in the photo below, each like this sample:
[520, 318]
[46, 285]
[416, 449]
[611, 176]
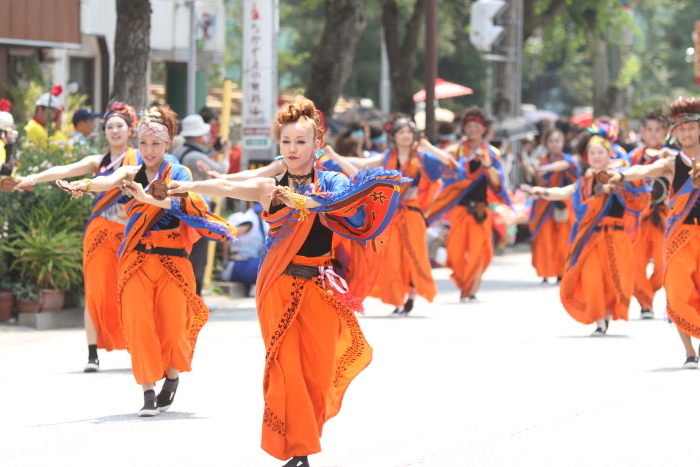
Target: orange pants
[407, 262]
[549, 248]
[602, 280]
[682, 280]
[100, 263]
[315, 347]
[649, 245]
[160, 312]
[469, 249]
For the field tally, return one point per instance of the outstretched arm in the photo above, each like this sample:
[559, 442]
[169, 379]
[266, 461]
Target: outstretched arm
[271, 170]
[87, 165]
[343, 162]
[367, 162]
[110, 181]
[443, 156]
[660, 168]
[553, 194]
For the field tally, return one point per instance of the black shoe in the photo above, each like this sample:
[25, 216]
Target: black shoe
[165, 399]
[92, 366]
[545, 281]
[298, 461]
[691, 363]
[647, 313]
[408, 306]
[150, 405]
[558, 279]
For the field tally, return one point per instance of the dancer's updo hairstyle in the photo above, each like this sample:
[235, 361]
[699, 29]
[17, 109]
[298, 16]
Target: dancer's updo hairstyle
[302, 110]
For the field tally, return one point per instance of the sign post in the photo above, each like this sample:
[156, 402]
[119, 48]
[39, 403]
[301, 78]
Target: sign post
[259, 78]
[696, 38]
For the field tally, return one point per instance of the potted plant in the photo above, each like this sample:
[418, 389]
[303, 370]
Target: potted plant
[47, 247]
[28, 297]
[7, 296]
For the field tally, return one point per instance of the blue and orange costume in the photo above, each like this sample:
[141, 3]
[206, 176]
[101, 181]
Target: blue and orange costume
[599, 277]
[104, 233]
[551, 221]
[407, 262]
[306, 302]
[160, 313]
[464, 194]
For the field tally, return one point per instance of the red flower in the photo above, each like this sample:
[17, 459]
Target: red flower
[56, 90]
[5, 105]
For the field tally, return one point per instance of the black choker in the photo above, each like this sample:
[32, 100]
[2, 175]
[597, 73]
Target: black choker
[300, 180]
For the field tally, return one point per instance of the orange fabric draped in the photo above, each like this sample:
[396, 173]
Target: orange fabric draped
[469, 249]
[158, 308]
[650, 245]
[407, 262]
[550, 246]
[100, 259]
[314, 346]
[603, 277]
[682, 255]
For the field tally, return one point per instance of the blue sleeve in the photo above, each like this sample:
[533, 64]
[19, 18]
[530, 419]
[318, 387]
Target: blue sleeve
[432, 166]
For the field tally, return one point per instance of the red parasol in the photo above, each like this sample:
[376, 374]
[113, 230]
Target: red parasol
[443, 90]
[585, 119]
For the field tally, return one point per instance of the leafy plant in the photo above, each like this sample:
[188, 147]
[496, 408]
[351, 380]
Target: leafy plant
[5, 280]
[26, 292]
[49, 259]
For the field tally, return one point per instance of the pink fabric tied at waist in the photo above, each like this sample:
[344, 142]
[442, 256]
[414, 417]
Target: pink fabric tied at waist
[327, 274]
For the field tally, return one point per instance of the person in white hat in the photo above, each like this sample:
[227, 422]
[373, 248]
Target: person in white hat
[48, 109]
[194, 155]
[7, 137]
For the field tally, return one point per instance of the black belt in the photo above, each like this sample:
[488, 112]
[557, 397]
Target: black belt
[181, 252]
[303, 272]
[609, 227]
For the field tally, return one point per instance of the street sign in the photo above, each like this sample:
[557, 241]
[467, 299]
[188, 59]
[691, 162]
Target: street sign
[483, 32]
[259, 71]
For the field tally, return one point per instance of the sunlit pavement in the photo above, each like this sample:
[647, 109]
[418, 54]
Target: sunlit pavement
[510, 380]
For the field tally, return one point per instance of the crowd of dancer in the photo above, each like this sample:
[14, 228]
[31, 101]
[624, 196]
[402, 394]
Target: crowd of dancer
[599, 216]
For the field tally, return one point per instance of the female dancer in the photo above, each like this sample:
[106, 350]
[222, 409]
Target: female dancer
[464, 194]
[159, 310]
[103, 233]
[681, 248]
[315, 346]
[599, 276]
[406, 271]
[551, 221]
[653, 229]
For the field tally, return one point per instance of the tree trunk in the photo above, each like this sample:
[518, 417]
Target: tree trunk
[331, 61]
[503, 104]
[604, 93]
[132, 45]
[402, 56]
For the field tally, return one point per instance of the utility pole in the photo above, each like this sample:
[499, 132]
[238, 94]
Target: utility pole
[192, 61]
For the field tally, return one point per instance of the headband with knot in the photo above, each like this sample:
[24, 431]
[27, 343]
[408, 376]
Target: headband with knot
[473, 118]
[125, 112]
[597, 139]
[685, 118]
[148, 126]
[401, 123]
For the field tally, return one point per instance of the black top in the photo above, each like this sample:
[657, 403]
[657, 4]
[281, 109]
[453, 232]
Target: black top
[478, 193]
[167, 220]
[106, 160]
[680, 177]
[320, 238]
[617, 209]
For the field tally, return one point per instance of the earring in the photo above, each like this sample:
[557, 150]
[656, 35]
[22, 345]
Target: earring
[279, 157]
[319, 154]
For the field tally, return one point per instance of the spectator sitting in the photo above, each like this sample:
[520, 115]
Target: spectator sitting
[84, 124]
[242, 258]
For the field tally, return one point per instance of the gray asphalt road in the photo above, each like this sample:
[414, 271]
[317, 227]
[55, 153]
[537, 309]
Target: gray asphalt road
[509, 381]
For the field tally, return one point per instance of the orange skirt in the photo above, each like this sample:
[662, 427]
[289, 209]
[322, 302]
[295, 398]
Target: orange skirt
[682, 280]
[315, 348]
[159, 310]
[407, 263]
[650, 245]
[550, 247]
[100, 263]
[603, 278]
[469, 248]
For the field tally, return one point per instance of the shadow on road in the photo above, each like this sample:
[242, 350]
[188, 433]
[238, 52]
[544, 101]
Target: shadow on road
[111, 371]
[131, 417]
[587, 336]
